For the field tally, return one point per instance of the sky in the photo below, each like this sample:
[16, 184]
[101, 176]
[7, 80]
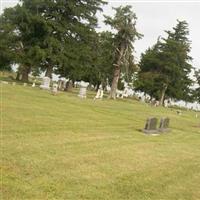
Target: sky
[154, 17]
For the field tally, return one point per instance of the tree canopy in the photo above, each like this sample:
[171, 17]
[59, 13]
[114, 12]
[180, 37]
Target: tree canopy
[165, 68]
[124, 22]
[52, 34]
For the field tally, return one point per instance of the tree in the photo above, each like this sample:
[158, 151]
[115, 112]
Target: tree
[102, 69]
[52, 34]
[165, 68]
[25, 32]
[197, 90]
[72, 32]
[7, 55]
[124, 22]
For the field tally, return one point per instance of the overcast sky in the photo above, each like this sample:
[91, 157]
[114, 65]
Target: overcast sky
[153, 18]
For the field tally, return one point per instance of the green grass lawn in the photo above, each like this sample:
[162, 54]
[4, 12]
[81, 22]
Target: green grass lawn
[63, 147]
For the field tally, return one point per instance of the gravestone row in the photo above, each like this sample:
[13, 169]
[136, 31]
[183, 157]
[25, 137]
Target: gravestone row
[151, 125]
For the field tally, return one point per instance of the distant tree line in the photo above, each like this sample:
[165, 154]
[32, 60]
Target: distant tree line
[60, 37]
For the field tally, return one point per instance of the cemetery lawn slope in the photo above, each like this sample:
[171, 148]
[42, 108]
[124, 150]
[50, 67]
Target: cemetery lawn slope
[63, 147]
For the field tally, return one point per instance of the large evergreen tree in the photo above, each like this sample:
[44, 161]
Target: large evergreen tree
[53, 34]
[165, 68]
[6, 44]
[102, 68]
[124, 22]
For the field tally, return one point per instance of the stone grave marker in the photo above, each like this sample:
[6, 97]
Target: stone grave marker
[4, 82]
[179, 112]
[13, 83]
[83, 89]
[99, 94]
[69, 86]
[151, 125]
[55, 88]
[25, 84]
[45, 83]
[33, 85]
[164, 125]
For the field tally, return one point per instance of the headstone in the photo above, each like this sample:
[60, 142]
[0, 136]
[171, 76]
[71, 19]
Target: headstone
[151, 125]
[68, 86]
[62, 84]
[157, 103]
[4, 82]
[76, 84]
[45, 83]
[55, 88]
[83, 89]
[164, 125]
[125, 92]
[119, 94]
[13, 83]
[166, 103]
[178, 112]
[108, 88]
[25, 84]
[99, 94]
[33, 85]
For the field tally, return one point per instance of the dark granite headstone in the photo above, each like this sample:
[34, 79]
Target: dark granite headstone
[164, 125]
[151, 125]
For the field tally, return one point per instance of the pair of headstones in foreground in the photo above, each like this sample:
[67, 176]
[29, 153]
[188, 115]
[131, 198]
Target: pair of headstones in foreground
[151, 125]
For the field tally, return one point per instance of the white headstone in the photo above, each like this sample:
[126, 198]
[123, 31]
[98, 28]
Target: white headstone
[83, 89]
[99, 94]
[4, 82]
[25, 84]
[125, 92]
[33, 85]
[13, 83]
[166, 103]
[45, 83]
[108, 88]
[55, 88]
[119, 93]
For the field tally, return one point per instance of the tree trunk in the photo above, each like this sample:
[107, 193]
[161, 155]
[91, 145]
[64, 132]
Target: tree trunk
[115, 83]
[18, 76]
[163, 95]
[49, 71]
[25, 72]
[116, 74]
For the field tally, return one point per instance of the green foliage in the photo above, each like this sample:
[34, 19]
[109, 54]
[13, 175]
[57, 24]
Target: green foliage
[103, 59]
[7, 55]
[53, 34]
[166, 66]
[124, 23]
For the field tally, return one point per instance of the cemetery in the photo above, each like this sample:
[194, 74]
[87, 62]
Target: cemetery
[83, 148]
[99, 100]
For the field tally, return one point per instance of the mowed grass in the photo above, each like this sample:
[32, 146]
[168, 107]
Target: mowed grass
[63, 147]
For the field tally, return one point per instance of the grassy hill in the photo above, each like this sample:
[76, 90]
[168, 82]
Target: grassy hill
[63, 147]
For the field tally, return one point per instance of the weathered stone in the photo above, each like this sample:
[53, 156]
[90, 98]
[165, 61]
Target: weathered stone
[55, 88]
[164, 125]
[99, 94]
[151, 125]
[45, 83]
[83, 89]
